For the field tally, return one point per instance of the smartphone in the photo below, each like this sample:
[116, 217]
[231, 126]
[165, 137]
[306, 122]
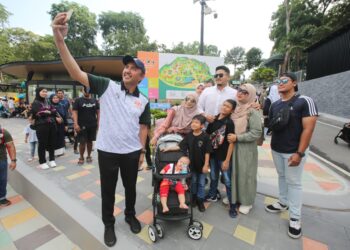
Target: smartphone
[69, 14]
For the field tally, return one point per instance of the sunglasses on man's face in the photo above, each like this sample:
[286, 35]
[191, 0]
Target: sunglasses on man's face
[243, 91]
[219, 75]
[188, 99]
[282, 81]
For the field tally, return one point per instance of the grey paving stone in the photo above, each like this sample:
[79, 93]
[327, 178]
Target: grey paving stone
[221, 240]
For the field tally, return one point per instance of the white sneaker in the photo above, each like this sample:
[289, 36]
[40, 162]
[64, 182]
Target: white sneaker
[30, 159]
[244, 209]
[225, 201]
[52, 164]
[44, 166]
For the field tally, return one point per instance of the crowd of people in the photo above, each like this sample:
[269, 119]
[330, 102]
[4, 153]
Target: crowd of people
[220, 126]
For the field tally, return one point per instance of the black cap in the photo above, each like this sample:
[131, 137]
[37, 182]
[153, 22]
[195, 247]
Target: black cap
[292, 76]
[139, 64]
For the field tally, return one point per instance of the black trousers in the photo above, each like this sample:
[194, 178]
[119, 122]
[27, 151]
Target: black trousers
[109, 164]
[148, 152]
[46, 134]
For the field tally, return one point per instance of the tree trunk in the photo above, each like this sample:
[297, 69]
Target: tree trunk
[288, 8]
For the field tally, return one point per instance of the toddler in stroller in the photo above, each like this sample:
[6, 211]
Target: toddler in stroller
[181, 167]
[343, 134]
[171, 202]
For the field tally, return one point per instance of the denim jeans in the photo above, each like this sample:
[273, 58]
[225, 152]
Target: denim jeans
[198, 185]
[3, 179]
[289, 182]
[215, 169]
[32, 148]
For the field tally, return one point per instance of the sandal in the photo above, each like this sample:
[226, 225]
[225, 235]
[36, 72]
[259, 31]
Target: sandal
[81, 161]
[89, 159]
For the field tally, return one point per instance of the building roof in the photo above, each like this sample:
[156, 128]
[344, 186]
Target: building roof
[273, 60]
[109, 66]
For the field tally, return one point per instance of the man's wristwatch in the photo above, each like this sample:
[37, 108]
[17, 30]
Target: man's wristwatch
[301, 154]
[143, 151]
[14, 160]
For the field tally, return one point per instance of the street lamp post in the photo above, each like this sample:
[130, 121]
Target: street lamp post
[205, 10]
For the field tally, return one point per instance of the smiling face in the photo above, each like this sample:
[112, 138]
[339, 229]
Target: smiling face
[242, 95]
[190, 101]
[221, 77]
[43, 93]
[226, 109]
[132, 74]
[55, 99]
[285, 84]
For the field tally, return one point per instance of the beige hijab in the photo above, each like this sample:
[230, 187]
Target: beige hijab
[240, 115]
[183, 116]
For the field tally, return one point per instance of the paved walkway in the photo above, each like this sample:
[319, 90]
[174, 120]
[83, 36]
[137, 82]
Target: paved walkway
[23, 227]
[326, 225]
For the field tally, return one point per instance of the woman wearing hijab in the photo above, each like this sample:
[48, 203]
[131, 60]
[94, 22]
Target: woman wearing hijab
[61, 125]
[178, 119]
[248, 129]
[44, 115]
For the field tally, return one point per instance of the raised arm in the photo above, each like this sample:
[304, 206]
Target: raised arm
[60, 30]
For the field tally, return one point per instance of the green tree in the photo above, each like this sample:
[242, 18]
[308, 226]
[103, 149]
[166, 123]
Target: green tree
[82, 28]
[263, 75]
[253, 58]
[193, 49]
[235, 56]
[4, 16]
[124, 33]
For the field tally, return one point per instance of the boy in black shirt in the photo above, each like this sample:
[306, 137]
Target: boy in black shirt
[220, 158]
[198, 148]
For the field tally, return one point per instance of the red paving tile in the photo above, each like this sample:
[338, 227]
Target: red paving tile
[87, 195]
[329, 186]
[117, 211]
[16, 199]
[146, 217]
[312, 167]
[309, 244]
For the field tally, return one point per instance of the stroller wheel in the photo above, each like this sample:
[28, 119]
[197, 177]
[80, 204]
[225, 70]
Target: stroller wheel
[152, 233]
[198, 224]
[194, 232]
[335, 140]
[160, 230]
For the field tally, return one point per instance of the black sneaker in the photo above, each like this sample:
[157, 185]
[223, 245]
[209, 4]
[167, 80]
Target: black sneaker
[277, 207]
[5, 203]
[294, 230]
[211, 198]
[109, 236]
[232, 212]
[201, 206]
[135, 225]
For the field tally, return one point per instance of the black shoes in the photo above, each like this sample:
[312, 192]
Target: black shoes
[135, 225]
[201, 206]
[232, 212]
[109, 236]
[5, 202]
[294, 230]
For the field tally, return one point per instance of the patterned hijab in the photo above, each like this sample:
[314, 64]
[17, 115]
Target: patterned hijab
[240, 115]
[183, 115]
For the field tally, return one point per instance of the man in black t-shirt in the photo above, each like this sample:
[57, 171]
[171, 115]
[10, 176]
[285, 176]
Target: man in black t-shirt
[86, 113]
[289, 146]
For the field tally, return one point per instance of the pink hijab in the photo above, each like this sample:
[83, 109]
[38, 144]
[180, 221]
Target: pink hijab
[240, 115]
[183, 116]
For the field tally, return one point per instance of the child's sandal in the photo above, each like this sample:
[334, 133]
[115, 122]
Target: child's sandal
[81, 161]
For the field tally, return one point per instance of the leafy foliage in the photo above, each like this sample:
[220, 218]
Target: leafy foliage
[253, 58]
[263, 75]
[235, 56]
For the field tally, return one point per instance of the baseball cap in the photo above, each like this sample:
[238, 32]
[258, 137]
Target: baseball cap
[292, 76]
[139, 64]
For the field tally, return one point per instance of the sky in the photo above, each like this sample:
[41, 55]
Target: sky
[242, 23]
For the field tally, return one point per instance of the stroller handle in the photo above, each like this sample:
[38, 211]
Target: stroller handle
[171, 176]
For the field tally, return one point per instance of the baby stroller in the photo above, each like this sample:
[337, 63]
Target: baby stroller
[156, 230]
[343, 134]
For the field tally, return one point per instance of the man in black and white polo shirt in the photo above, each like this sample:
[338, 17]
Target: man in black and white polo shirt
[123, 128]
[289, 144]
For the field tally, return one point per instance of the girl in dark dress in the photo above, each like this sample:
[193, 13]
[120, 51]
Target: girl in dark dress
[45, 117]
[61, 125]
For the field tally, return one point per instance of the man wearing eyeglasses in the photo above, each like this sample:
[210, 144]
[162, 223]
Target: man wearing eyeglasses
[213, 97]
[289, 144]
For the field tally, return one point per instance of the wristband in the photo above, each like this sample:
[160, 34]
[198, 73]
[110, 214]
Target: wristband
[14, 160]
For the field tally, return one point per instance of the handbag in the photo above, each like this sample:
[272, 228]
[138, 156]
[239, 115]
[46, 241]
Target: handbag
[281, 119]
[261, 139]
